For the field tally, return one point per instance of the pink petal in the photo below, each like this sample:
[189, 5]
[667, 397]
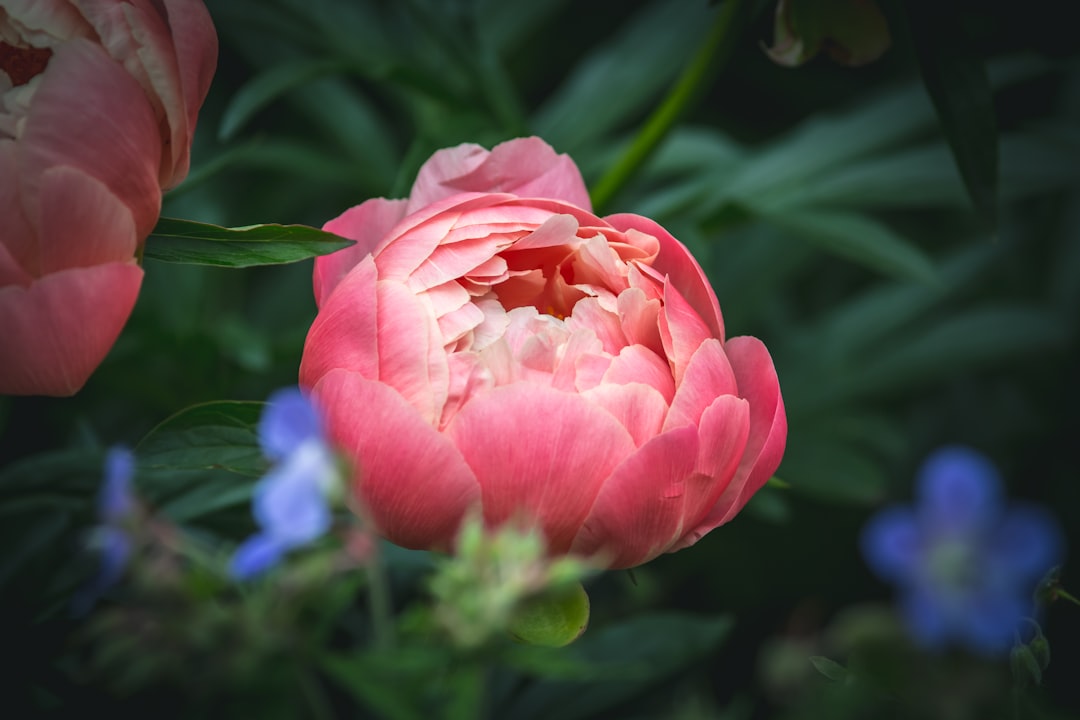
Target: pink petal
[410, 480]
[638, 364]
[758, 383]
[121, 149]
[19, 238]
[681, 331]
[638, 408]
[41, 19]
[409, 243]
[638, 511]
[195, 44]
[58, 330]
[675, 261]
[82, 223]
[640, 319]
[722, 436]
[539, 454]
[11, 272]
[367, 224]
[526, 167]
[708, 376]
[344, 333]
[410, 349]
[605, 325]
[444, 165]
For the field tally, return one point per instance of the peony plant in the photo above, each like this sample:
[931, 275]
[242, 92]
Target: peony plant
[490, 342]
[99, 101]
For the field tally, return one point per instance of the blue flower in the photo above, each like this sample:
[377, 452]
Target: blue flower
[290, 504]
[111, 539]
[966, 564]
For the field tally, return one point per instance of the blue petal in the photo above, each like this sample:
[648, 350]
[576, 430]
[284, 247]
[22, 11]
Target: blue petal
[928, 618]
[288, 421]
[1026, 544]
[991, 621]
[255, 556]
[959, 490]
[115, 501]
[891, 545]
[115, 552]
[289, 503]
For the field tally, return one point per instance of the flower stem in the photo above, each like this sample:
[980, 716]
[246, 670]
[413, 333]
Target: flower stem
[1058, 592]
[382, 618]
[710, 57]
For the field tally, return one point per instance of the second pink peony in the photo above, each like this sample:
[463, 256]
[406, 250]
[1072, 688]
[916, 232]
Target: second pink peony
[491, 343]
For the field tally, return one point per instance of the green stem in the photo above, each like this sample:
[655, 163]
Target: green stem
[1062, 594]
[710, 56]
[382, 618]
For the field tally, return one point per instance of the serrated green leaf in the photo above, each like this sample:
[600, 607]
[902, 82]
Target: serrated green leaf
[376, 680]
[958, 84]
[267, 86]
[184, 241]
[861, 239]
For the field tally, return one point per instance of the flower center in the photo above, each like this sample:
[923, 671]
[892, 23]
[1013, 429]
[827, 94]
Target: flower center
[23, 64]
[953, 565]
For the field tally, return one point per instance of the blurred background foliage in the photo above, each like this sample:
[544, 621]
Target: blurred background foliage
[823, 201]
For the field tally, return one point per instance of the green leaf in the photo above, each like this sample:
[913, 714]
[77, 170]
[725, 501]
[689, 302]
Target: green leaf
[833, 469]
[958, 344]
[635, 657]
[267, 86]
[829, 668]
[183, 241]
[861, 239]
[957, 82]
[215, 435]
[624, 75]
[381, 681]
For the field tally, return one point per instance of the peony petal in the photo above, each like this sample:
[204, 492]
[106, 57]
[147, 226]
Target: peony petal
[637, 364]
[587, 314]
[410, 349]
[708, 376]
[681, 331]
[722, 435]
[344, 333]
[58, 330]
[675, 261]
[640, 319]
[638, 511]
[441, 167]
[82, 223]
[19, 239]
[196, 49]
[539, 452]
[415, 491]
[638, 408]
[411, 241]
[121, 149]
[526, 167]
[757, 380]
[367, 224]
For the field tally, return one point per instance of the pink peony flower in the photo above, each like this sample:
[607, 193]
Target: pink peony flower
[490, 341]
[98, 100]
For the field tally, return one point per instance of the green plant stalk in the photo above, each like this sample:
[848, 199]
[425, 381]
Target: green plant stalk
[713, 53]
[382, 617]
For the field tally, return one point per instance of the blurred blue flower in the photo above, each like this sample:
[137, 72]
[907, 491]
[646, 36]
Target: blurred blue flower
[110, 539]
[966, 564]
[290, 504]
